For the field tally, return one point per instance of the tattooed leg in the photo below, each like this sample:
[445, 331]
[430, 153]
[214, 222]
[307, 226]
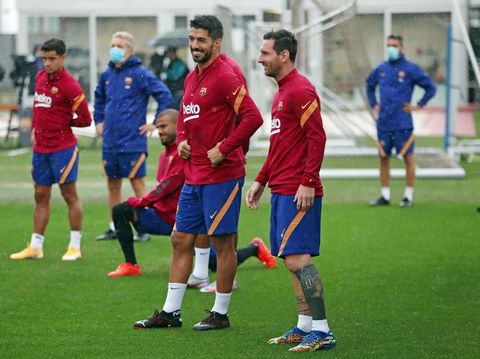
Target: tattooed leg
[311, 284]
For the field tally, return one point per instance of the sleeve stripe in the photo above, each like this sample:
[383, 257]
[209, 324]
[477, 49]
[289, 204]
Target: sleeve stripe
[306, 115]
[239, 99]
[77, 101]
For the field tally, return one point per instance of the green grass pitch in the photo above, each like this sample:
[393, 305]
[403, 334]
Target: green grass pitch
[399, 283]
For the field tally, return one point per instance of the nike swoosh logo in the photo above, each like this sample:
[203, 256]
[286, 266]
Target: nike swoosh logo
[235, 92]
[303, 107]
[173, 288]
[213, 215]
[283, 232]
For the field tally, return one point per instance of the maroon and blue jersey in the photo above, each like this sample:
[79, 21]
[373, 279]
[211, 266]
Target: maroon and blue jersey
[297, 138]
[212, 102]
[59, 104]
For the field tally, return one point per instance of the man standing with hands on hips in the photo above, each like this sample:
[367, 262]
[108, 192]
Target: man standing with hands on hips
[396, 79]
[120, 114]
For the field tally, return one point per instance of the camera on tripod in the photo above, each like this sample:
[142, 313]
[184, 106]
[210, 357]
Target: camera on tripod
[24, 72]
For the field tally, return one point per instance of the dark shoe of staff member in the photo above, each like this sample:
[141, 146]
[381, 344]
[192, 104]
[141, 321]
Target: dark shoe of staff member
[379, 202]
[404, 203]
[107, 235]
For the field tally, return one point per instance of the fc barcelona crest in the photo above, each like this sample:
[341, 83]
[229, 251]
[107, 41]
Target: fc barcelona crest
[203, 91]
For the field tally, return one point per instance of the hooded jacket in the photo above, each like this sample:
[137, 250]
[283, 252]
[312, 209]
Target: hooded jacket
[121, 100]
[396, 81]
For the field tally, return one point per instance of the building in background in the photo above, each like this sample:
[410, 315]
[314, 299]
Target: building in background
[337, 57]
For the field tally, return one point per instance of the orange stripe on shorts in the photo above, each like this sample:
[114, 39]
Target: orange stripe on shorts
[407, 145]
[224, 210]
[69, 167]
[291, 227]
[137, 166]
[380, 149]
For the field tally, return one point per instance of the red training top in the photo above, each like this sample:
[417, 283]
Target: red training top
[238, 71]
[297, 138]
[170, 178]
[59, 104]
[235, 67]
[212, 100]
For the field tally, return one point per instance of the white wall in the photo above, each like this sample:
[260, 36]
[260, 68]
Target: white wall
[116, 7]
[8, 17]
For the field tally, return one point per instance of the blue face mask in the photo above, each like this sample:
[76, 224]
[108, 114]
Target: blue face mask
[117, 55]
[393, 53]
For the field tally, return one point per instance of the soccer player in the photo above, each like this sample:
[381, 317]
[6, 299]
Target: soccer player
[291, 169]
[121, 100]
[396, 79]
[210, 142]
[59, 104]
[155, 212]
[204, 254]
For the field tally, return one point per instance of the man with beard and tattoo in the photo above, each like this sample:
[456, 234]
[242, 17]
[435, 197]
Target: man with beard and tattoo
[210, 142]
[291, 169]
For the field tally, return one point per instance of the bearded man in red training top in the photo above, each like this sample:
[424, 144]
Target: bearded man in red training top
[210, 141]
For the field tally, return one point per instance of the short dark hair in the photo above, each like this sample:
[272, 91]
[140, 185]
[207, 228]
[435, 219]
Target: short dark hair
[283, 40]
[209, 23]
[56, 45]
[399, 38]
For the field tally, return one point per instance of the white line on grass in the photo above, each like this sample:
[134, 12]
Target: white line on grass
[18, 152]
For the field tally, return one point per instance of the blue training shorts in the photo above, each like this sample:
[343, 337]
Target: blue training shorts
[213, 208]
[293, 231]
[149, 221]
[402, 140]
[57, 167]
[124, 165]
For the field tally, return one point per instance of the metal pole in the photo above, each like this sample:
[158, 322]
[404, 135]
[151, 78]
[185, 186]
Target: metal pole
[92, 40]
[448, 90]
[457, 12]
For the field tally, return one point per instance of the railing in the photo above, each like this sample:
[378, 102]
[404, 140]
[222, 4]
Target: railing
[330, 19]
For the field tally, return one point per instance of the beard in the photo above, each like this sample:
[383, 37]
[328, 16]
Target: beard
[269, 72]
[168, 139]
[203, 57]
